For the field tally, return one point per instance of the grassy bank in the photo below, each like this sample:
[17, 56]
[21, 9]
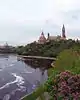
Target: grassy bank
[67, 63]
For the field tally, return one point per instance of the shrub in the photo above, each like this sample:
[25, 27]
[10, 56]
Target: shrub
[65, 86]
[68, 60]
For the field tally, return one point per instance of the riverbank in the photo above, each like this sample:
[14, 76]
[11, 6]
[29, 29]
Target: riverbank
[39, 93]
[18, 78]
[67, 68]
[37, 57]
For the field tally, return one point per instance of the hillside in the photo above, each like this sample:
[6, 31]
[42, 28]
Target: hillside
[50, 49]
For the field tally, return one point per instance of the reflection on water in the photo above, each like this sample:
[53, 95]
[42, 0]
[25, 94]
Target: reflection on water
[38, 63]
[18, 78]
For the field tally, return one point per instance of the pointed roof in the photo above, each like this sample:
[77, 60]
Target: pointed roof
[42, 33]
[42, 38]
[63, 27]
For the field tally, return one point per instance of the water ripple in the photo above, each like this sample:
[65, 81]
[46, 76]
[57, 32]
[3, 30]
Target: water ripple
[19, 81]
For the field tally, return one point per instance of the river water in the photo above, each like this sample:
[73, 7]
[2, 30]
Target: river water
[18, 78]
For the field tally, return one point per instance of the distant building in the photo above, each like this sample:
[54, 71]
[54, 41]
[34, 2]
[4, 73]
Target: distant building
[43, 39]
[55, 38]
[6, 49]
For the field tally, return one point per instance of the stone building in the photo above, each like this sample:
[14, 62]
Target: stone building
[43, 39]
[6, 49]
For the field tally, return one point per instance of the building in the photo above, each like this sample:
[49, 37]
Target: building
[43, 39]
[6, 49]
[55, 38]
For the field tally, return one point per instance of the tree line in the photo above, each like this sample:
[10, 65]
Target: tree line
[49, 49]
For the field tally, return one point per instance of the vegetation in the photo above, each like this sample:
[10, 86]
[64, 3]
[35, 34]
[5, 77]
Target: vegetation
[64, 82]
[50, 71]
[51, 49]
[64, 77]
[65, 86]
[68, 60]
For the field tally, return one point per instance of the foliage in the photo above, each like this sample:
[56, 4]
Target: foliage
[68, 60]
[62, 84]
[20, 50]
[50, 71]
[51, 49]
[65, 86]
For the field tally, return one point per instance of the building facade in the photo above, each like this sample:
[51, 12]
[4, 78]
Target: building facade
[43, 39]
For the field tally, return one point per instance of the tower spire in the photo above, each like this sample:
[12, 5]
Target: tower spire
[48, 35]
[63, 31]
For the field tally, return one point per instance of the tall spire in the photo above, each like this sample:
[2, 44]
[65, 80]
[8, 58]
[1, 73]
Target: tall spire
[42, 33]
[48, 35]
[63, 31]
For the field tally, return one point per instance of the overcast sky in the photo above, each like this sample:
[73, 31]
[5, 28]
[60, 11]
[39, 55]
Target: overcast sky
[21, 21]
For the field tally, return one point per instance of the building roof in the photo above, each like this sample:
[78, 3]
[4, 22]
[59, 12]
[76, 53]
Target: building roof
[54, 37]
[42, 38]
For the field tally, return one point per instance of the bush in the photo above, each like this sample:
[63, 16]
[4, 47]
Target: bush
[65, 86]
[68, 60]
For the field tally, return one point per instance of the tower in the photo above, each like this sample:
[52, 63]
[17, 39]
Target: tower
[48, 35]
[63, 32]
[42, 39]
[42, 33]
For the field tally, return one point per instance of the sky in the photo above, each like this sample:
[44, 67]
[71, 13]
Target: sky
[22, 21]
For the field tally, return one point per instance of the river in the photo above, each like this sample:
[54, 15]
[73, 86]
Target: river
[18, 78]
